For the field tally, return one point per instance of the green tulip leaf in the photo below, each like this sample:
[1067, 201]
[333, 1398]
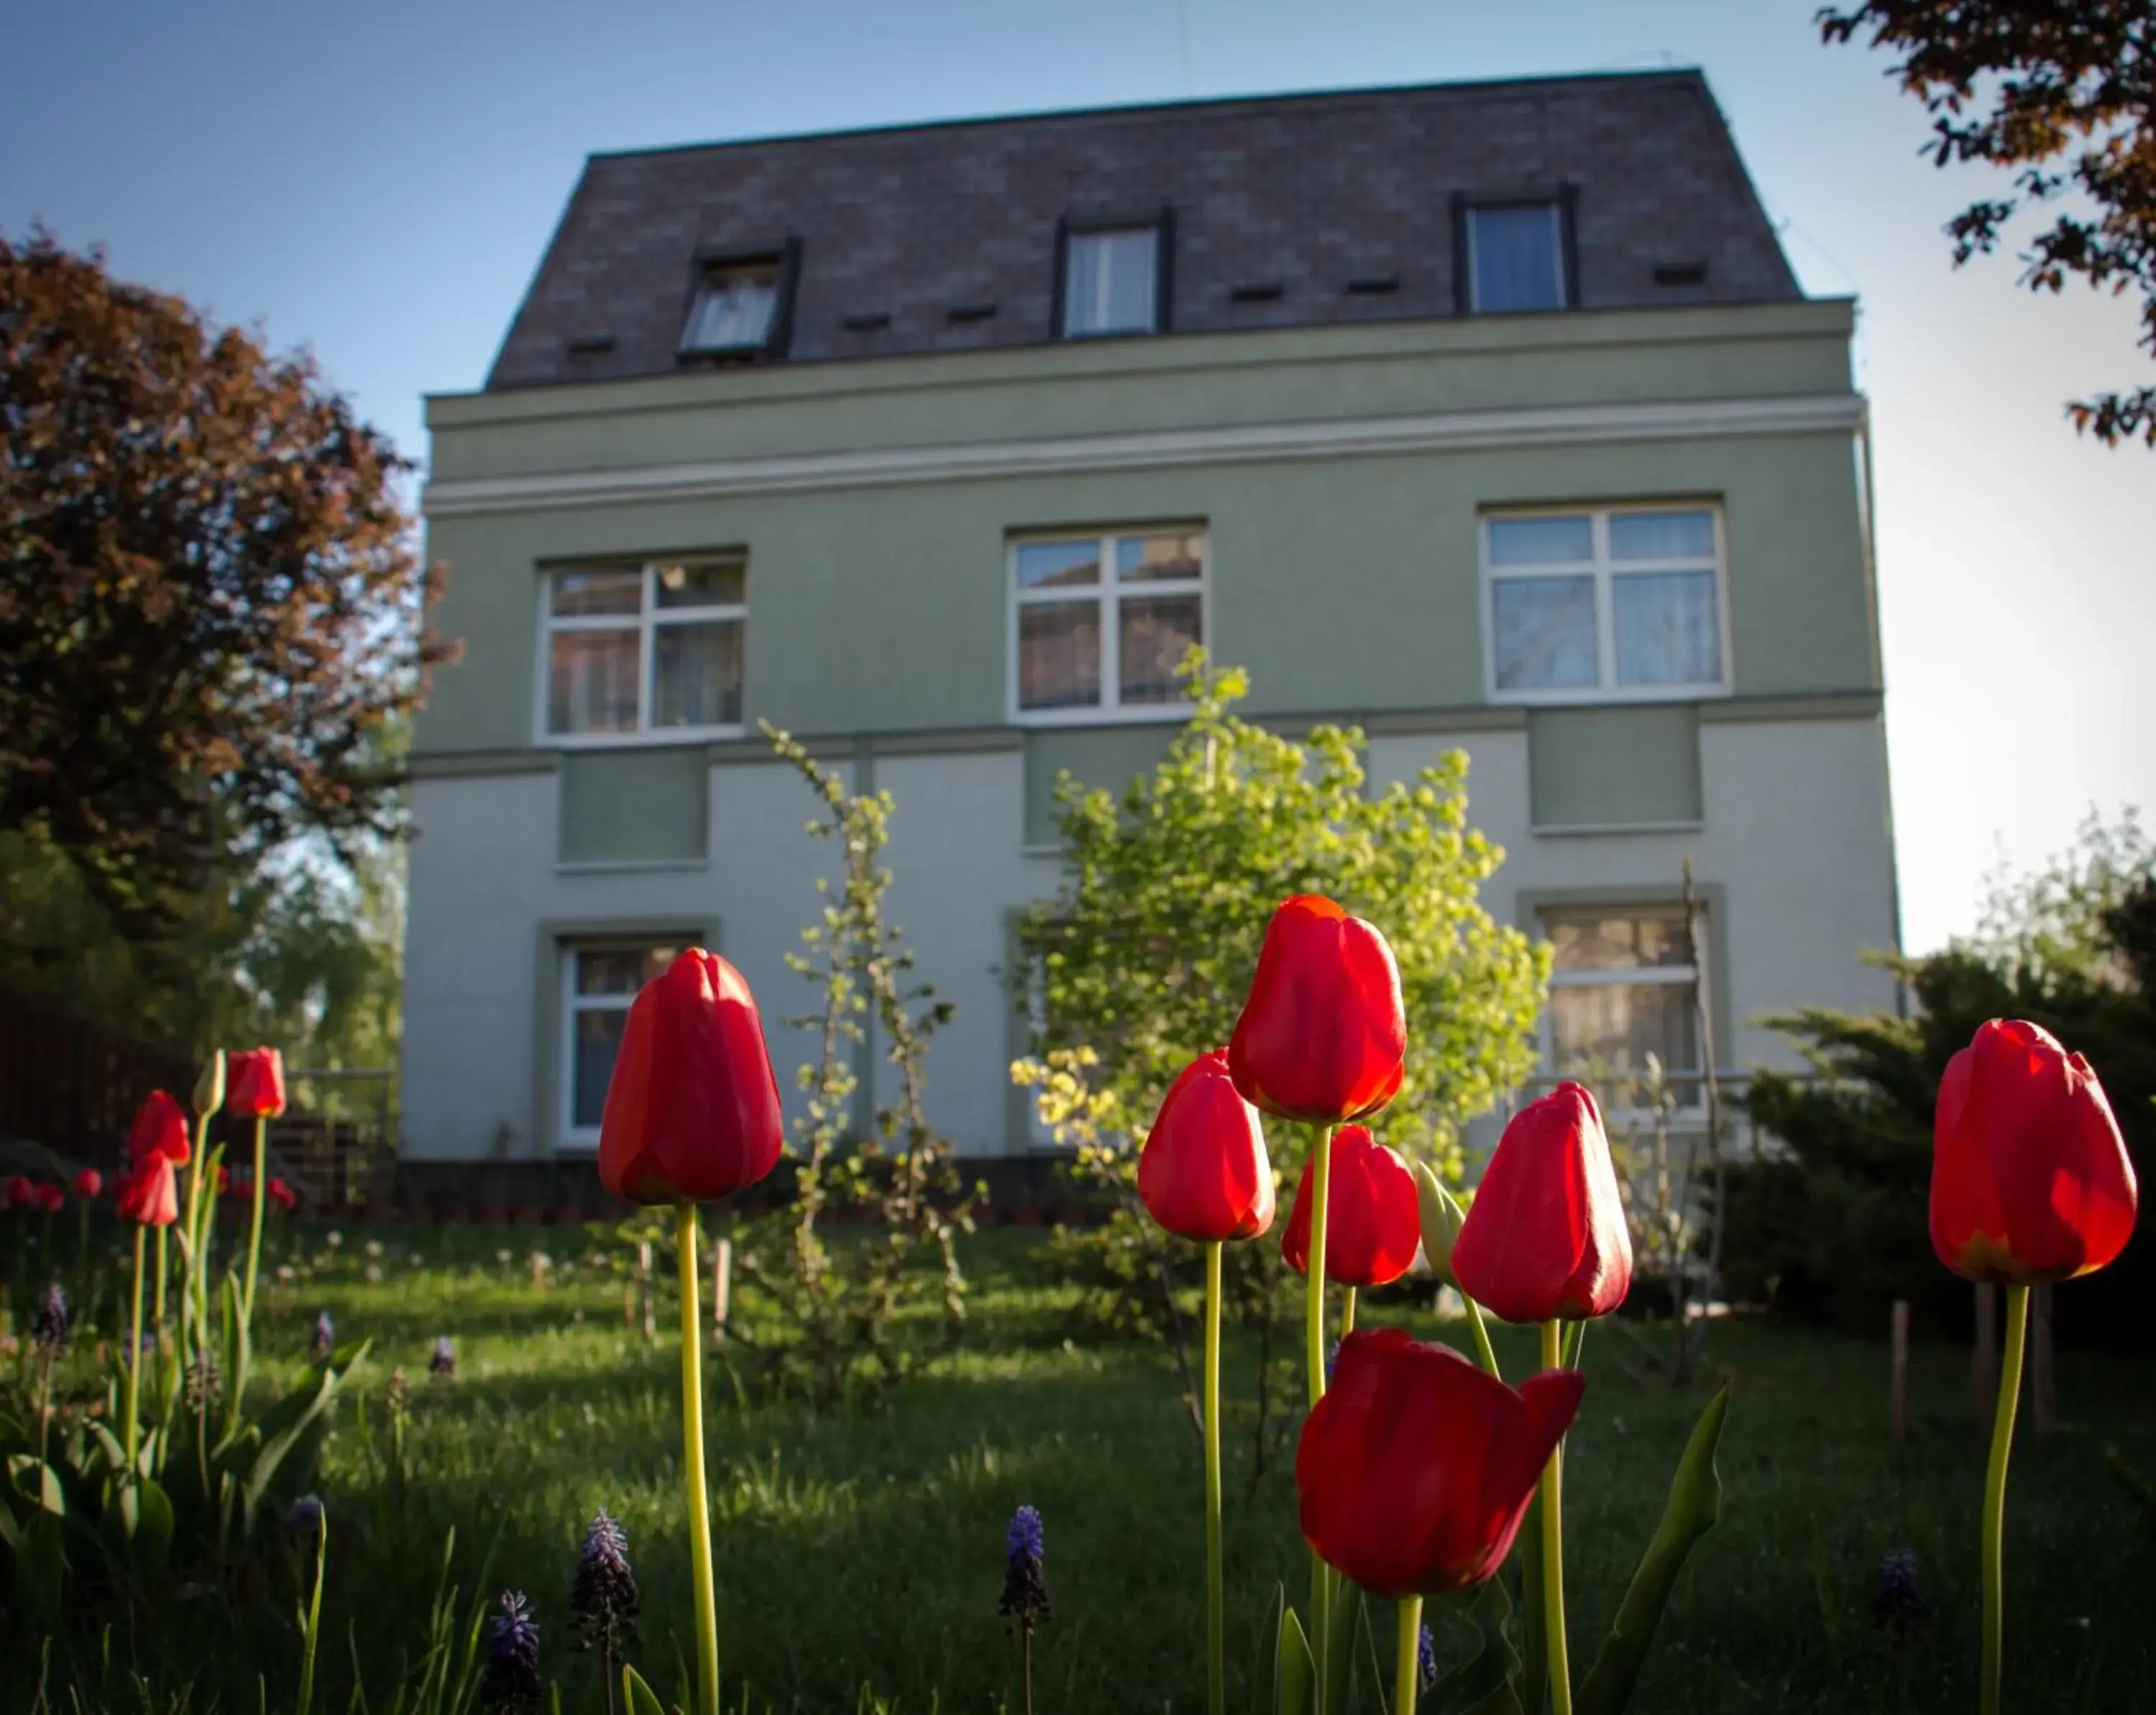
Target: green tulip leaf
[285, 1426]
[151, 1544]
[639, 1698]
[40, 1564]
[1340, 1641]
[1484, 1684]
[1534, 1640]
[1694, 1506]
[1294, 1675]
[37, 1482]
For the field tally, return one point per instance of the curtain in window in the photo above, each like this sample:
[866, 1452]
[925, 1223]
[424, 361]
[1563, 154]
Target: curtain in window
[1668, 632]
[696, 674]
[1109, 288]
[1544, 630]
[1516, 259]
[593, 684]
[735, 310]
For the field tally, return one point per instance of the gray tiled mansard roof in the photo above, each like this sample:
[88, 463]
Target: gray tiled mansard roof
[1309, 191]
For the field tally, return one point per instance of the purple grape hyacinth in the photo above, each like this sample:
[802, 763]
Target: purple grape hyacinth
[511, 1679]
[1025, 1593]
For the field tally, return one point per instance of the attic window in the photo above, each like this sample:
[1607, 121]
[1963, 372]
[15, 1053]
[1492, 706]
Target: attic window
[739, 308]
[1515, 257]
[1113, 281]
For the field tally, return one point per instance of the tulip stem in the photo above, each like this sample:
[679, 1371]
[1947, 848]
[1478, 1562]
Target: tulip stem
[1320, 1581]
[1481, 1330]
[135, 1361]
[1553, 1523]
[692, 1461]
[1995, 1496]
[255, 1231]
[1216, 1621]
[1347, 1312]
[1407, 1657]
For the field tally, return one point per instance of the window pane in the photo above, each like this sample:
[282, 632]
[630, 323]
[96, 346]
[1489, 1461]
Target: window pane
[696, 674]
[597, 1041]
[620, 970]
[1667, 630]
[734, 308]
[1059, 565]
[1661, 536]
[1140, 559]
[1544, 632]
[1155, 633]
[593, 687]
[1541, 542]
[1605, 1032]
[1108, 282]
[711, 583]
[1618, 943]
[1058, 655]
[597, 592]
[1517, 266]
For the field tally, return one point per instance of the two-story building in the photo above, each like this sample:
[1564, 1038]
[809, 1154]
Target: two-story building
[1486, 415]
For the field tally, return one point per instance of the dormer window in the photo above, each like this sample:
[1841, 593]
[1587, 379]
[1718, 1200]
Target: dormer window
[742, 306]
[1114, 279]
[1516, 257]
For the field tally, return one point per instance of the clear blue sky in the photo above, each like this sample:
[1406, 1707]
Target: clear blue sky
[378, 182]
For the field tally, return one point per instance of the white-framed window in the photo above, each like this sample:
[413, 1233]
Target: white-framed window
[736, 309]
[599, 981]
[1515, 257]
[1625, 984]
[1101, 621]
[1112, 281]
[1614, 605]
[643, 652]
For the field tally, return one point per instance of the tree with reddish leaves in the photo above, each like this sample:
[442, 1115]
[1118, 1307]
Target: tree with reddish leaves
[212, 609]
[2058, 93]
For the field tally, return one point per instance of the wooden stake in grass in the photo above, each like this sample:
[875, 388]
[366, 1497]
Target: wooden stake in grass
[1901, 1368]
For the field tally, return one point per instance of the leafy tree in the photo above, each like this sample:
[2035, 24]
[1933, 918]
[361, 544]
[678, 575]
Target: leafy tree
[1834, 1227]
[211, 608]
[2059, 92]
[1144, 956]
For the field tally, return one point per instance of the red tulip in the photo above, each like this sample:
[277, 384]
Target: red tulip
[282, 1194]
[21, 1192]
[2030, 1182]
[1545, 1236]
[149, 1196]
[237, 1186]
[1372, 1214]
[1416, 1467]
[254, 1083]
[1323, 1034]
[51, 1198]
[1204, 1173]
[160, 1128]
[224, 1179]
[692, 1112]
[89, 1185]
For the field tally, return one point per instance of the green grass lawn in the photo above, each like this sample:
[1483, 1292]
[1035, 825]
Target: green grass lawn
[865, 1548]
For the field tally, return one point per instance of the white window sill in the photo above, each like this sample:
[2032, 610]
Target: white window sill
[678, 735]
[1134, 715]
[577, 1143]
[630, 866]
[1594, 831]
[1591, 696]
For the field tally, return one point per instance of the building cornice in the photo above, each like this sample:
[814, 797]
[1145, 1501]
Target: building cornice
[1150, 449]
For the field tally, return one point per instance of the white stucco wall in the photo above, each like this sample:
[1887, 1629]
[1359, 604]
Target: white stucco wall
[1795, 844]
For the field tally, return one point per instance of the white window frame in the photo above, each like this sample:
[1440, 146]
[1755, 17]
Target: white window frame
[1605, 571]
[1077, 235]
[567, 1134]
[1692, 975]
[1111, 710]
[708, 284]
[649, 617]
[1555, 207]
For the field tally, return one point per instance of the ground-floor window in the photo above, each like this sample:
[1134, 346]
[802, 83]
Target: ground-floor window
[1623, 990]
[598, 983]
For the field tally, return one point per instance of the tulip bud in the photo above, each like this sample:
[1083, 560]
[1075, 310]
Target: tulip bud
[209, 1087]
[1442, 1218]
